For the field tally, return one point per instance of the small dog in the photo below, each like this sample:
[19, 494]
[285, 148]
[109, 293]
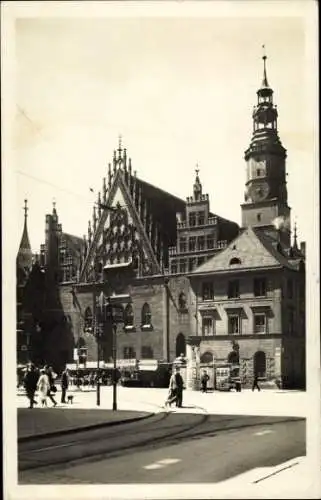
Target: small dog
[70, 399]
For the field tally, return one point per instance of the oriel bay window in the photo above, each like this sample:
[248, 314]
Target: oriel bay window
[208, 290]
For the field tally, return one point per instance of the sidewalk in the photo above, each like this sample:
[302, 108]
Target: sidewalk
[278, 403]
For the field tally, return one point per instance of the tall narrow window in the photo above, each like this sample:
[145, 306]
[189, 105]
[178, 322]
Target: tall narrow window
[182, 266]
[182, 245]
[201, 218]
[192, 244]
[259, 323]
[233, 324]
[88, 320]
[260, 287]
[207, 325]
[192, 219]
[191, 264]
[174, 267]
[146, 315]
[201, 242]
[208, 291]
[210, 242]
[129, 316]
[233, 289]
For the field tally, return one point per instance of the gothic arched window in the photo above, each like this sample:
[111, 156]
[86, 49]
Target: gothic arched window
[146, 316]
[88, 320]
[129, 316]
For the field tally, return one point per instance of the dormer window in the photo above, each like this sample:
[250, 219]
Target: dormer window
[235, 261]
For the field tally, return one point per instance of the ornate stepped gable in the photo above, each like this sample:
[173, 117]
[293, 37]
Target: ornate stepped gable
[134, 221]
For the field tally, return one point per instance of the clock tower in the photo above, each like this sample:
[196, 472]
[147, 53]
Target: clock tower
[265, 201]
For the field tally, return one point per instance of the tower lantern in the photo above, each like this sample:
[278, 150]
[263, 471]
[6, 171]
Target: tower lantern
[265, 188]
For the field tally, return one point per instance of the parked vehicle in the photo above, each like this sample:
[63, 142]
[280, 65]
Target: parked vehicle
[227, 377]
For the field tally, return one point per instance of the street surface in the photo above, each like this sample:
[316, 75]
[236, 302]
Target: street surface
[169, 447]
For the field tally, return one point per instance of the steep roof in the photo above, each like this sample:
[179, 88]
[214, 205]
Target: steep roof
[24, 256]
[251, 250]
[73, 243]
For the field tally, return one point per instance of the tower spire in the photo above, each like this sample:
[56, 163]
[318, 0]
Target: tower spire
[265, 80]
[25, 208]
[295, 237]
[24, 256]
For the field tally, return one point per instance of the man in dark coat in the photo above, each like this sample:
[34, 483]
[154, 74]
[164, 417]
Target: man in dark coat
[64, 384]
[30, 383]
[205, 378]
[255, 382]
[179, 388]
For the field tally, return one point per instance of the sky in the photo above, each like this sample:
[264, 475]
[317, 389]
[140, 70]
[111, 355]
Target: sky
[179, 90]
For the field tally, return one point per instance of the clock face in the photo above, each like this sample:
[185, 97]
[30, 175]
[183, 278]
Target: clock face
[259, 191]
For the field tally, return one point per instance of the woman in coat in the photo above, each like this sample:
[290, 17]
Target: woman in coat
[43, 387]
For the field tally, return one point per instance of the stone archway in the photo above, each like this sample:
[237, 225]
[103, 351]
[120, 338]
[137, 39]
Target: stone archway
[207, 357]
[180, 345]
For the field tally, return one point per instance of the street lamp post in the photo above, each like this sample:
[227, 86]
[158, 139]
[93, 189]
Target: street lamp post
[98, 373]
[99, 325]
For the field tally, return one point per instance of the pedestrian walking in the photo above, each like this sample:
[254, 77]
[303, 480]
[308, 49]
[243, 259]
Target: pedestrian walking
[179, 388]
[204, 379]
[52, 388]
[30, 383]
[172, 391]
[64, 384]
[255, 383]
[43, 387]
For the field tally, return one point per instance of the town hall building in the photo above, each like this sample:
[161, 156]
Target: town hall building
[182, 274]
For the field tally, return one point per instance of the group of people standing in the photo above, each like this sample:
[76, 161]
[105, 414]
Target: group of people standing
[43, 382]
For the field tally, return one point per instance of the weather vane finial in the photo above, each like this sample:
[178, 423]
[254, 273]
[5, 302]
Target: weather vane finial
[197, 170]
[25, 208]
[264, 57]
